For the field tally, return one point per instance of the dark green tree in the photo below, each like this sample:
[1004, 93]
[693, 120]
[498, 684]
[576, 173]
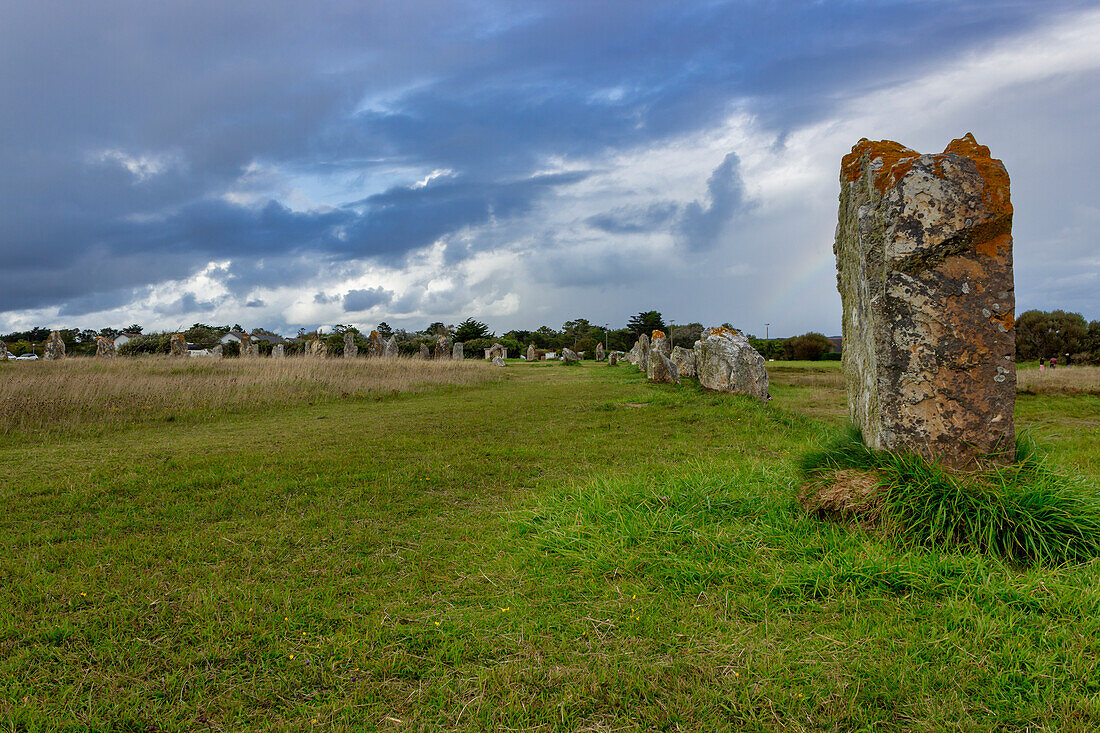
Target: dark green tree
[470, 329]
[807, 347]
[384, 330]
[645, 322]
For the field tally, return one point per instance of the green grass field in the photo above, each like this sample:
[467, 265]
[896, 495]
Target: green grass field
[559, 549]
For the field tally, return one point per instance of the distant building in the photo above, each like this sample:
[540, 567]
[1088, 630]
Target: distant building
[125, 337]
[234, 337]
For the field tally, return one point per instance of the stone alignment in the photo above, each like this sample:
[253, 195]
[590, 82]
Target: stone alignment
[177, 346]
[105, 348]
[55, 347]
[924, 268]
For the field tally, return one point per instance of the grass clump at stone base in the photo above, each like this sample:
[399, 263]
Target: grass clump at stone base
[1025, 512]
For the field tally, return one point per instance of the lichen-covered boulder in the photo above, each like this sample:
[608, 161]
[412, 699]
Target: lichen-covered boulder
[600, 355]
[3, 351]
[278, 351]
[317, 348]
[643, 347]
[442, 350]
[389, 349]
[532, 354]
[659, 343]
[375, 347]
[924, 268]
[661, 369]
[684, 359]
[55, 347]
[249, 348]
[726, 362]
[497, 361]
[457, 351]
[497, 350]
[177, 346]
[105, 348]
[218, 352]
[569, 356]
[351, 349]
[613, 359]
[425, 352]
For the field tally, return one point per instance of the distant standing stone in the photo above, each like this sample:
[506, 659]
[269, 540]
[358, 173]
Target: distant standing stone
[317, 348]
[600, 352]
[389, 350]
[248, 348]
[177, 346]
[351, 350]
[278, 351]
[105, 348]
[425, 352]
[613, 360]
[218, 352]
[643, 354]
[3, 351]
[726, 362]
[658, 345]
[55, 347]
[496, 350]
[569, 356]
[532, 355]
[456, 351]
[442, 348]
[375, 347]
[684, 359]
[924, 268]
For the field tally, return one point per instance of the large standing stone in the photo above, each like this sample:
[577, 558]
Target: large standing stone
[317, 348]
[661, 369]
[684, 359]
[532, 354]
[249, 348]
[569, 356]
[642, 357]
[218, 352]
[105, 348]
[726, 362]
[278, 351]
[496, 350]
[177, 346]
[55, 347]
[3, 351]
[389, 349]
[375, 347]
[442, 348]
[457, 352]
[658, 345]
[425, 352]
[924, 269]
[600, 355]
[351, 350]
[613, 360]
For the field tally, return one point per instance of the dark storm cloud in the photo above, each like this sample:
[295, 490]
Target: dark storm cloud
[126, 123]
[634, 219]
[186, 303]
[361, 300]
[700, 224]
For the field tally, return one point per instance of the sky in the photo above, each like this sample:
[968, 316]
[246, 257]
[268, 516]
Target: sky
[298, 165]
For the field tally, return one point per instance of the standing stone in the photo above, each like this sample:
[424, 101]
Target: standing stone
[317, 348]
[250, 349]
[375, 347]
[613, 360]
[217, 351]
[924, 268]
[661, 369]
[442, 348]
[496, 350]
[726, 362]
[684, 359]
[351, 351]
[105, 348]
[569, 356]
[3, 351]
[177, 346]
[532, 354]
[658, 345]
[456, 352]
[55, 347]
[278, 351]
[498, 361]
[425, 353]
[389, 350]
[600, 355]
[643, 354]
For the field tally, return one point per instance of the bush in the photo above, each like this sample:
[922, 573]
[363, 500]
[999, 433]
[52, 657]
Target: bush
[150, 343]
[1024, 512]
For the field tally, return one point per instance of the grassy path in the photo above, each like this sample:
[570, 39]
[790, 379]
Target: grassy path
[569, 549]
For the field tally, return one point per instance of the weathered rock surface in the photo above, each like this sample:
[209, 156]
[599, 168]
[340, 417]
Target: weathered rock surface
[389, 350]
[600, 355]
[351, 350]
[532, 355]
[105, 348]
[642, 357]
[924, 269]
[278, 351]
[497, 350]
[442, 348]
[726, 362]
[684, 359]
[497, 361]
[249, 348]
[218, 352]
[317, 348]
[177, 346]
[375, 347]
[425, 352]
[3, 351]
[55, 347]
[662, 370]
[457, 351]
[569, 356]
[613, 360]
[659, 344]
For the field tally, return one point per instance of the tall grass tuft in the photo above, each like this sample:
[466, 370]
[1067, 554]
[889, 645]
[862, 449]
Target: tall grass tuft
[1025, 512]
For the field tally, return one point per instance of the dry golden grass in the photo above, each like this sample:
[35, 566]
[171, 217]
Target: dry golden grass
[1063, 380]
[46, 396]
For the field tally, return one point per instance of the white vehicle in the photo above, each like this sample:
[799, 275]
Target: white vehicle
[27, 357]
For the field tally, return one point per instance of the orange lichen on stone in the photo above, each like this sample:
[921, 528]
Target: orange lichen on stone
[890, 152]
[994, 245]
[374, 334]
[657, 334]
[995, 193]
[1005, 320]
[722, 331]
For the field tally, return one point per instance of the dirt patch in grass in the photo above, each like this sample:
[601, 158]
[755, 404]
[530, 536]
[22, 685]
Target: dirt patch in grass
[846, 495]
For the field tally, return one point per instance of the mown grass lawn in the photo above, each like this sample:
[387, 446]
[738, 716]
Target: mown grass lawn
[566, 549]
